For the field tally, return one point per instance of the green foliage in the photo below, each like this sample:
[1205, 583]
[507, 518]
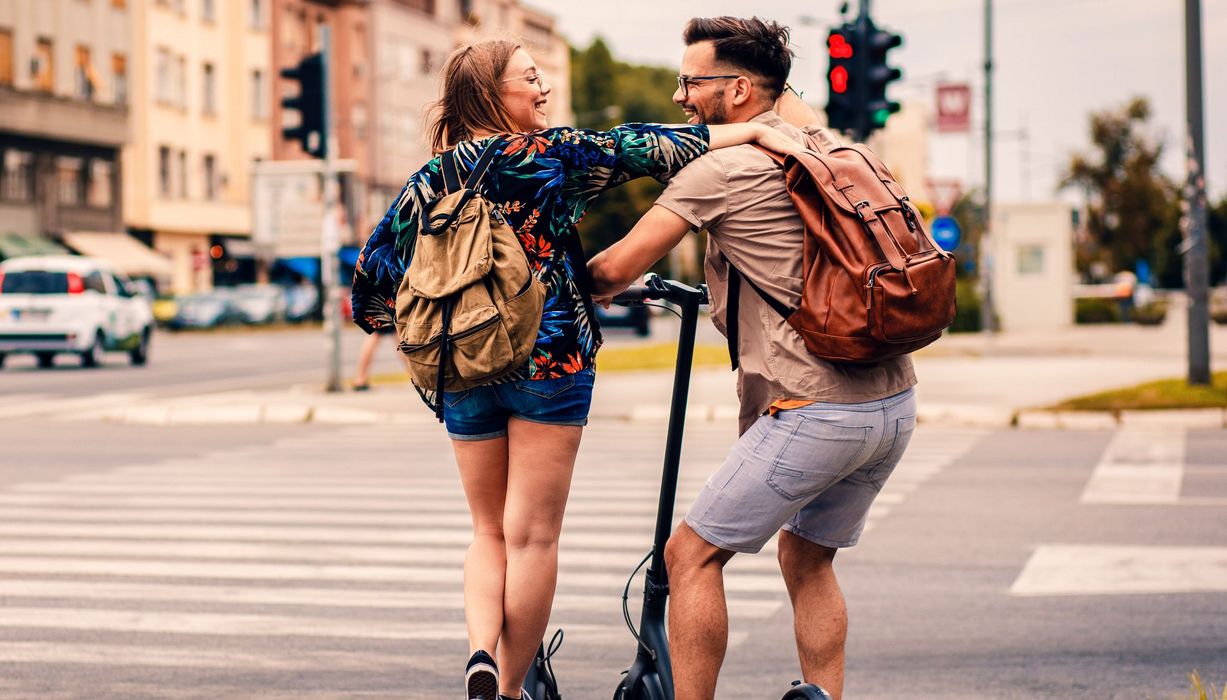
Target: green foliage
[1133, 211]
[1151, 314]
[1097, 311]
[967, 307]
[606, 92]
[969, 213]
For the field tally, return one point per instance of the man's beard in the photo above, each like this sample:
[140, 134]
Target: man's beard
[717, 115]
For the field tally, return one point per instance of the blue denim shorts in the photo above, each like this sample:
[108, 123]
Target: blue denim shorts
[481, 413]
[813, 471]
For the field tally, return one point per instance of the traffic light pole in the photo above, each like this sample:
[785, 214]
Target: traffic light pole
[988, 319]
[861, 131]
[330, 234]
[1196, 260]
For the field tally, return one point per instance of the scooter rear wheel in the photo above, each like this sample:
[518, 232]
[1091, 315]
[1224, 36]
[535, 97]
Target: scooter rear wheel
[806, 691]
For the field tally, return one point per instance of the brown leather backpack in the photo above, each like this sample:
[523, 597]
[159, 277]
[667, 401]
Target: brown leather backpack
[875, 284]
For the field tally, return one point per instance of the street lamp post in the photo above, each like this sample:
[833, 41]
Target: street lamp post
[1196, 260]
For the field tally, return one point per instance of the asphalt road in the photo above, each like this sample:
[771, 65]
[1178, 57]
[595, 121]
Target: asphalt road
[317, 561]
[196, 362]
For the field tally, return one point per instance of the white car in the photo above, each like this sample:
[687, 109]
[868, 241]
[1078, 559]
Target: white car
[69, 304]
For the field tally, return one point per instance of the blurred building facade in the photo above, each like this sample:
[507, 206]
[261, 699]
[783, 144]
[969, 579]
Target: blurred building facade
[387, 55]
[201, 113]
[64, 116]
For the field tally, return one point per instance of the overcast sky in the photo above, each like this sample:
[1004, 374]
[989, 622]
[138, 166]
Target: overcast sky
[1056, 61]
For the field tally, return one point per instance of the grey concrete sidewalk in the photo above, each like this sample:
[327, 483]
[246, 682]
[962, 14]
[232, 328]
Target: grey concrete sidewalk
[968, 379]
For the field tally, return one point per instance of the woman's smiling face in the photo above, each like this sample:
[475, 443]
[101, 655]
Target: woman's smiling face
[525, 92]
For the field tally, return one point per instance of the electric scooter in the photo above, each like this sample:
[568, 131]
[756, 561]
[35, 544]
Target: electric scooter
[650, 676]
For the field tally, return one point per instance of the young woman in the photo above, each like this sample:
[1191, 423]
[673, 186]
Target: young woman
[515, 440]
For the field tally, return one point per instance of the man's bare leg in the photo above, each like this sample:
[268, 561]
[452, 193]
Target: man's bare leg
[698, 616]
[820, 617]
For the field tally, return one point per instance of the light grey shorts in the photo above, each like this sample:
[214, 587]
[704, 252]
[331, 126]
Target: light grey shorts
[813, 471]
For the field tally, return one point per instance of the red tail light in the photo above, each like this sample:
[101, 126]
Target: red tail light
[75, 285]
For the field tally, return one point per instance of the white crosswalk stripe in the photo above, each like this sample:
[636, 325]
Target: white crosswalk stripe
[279, 540]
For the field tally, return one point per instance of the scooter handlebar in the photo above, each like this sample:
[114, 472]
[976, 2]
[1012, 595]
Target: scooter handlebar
[655, 288]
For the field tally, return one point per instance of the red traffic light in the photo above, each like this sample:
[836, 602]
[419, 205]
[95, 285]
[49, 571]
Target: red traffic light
[839, 79]
[839, 47]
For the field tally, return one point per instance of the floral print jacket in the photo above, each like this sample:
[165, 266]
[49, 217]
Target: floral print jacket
[540, 183]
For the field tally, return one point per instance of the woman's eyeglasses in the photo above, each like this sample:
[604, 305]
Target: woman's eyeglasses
[684, 81]
[536, 79]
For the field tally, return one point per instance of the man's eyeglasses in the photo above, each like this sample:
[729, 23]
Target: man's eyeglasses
[537, 79]
[684, 81]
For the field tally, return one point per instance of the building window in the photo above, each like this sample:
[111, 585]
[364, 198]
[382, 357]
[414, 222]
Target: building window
[182, 174]
[258, 108]
[98, 189]
[207, 10]
[69, 177]
[119, 72]
[428, 62]
[164, 171]
[6, 57]
[181, 82]
[162, 71]
[209, 99]
[42, 67]
[86, 78]
[1030, 259]
[17, 177]
[538, 35]
[257, 14]
[180, 8]
[210, 177]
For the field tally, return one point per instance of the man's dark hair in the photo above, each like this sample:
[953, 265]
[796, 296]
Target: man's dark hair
[753, 45]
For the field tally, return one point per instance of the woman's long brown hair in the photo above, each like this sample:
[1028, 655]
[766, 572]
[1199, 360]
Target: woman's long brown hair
[471, 100]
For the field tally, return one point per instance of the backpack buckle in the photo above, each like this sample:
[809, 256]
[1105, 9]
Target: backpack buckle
[860, 206]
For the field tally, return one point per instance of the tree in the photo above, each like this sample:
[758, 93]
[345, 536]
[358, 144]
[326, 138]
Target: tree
[1132, 208]
[606, 92]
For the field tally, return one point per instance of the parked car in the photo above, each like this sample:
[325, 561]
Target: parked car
[636, 317]
[302, 303]
[67, 304]
[259, 303]
[205, 310]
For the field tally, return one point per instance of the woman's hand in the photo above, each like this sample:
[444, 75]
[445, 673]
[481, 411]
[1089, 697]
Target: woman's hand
[773, 140]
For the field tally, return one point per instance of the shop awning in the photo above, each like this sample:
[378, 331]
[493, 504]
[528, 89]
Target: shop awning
[13, 245]
[124, 252]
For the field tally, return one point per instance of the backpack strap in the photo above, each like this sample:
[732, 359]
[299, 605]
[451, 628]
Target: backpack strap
[481, 166]
[451, 175]
[733, 307]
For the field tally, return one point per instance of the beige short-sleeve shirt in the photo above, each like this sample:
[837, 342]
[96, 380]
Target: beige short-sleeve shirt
[738, 195]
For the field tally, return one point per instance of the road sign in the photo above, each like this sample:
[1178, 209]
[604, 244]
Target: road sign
[946, 232]
[953, 108]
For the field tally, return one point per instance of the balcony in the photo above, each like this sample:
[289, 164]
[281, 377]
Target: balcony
[40, 115]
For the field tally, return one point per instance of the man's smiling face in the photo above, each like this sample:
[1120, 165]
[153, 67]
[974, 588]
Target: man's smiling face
[704, 101]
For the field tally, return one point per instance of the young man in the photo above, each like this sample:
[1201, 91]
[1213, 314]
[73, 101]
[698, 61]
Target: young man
[818, 439]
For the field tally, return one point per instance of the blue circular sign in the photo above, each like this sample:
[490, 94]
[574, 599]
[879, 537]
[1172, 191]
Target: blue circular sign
[946, 232]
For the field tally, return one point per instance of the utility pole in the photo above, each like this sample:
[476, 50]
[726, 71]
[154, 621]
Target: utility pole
[1196, 260]
[330, 234]
[988, 319]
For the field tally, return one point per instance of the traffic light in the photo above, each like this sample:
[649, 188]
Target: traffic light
[878, 76]
[842, 86]
[311, 105]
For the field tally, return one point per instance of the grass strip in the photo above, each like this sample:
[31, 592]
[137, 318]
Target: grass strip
[1162, 394]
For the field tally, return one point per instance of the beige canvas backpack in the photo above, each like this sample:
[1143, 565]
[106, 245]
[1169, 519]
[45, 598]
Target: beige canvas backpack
[469, 307]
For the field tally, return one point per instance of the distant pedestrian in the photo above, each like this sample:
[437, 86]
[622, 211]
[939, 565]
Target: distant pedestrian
[818, 439]
[515, 441]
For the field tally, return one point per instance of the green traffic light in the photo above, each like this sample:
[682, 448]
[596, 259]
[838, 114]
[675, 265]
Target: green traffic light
[880, 116]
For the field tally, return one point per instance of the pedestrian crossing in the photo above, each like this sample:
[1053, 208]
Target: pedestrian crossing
[345, 544]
